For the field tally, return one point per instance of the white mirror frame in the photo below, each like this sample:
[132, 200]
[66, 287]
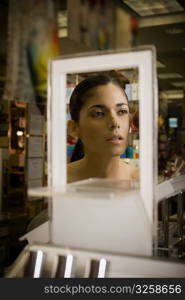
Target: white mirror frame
[145, 61]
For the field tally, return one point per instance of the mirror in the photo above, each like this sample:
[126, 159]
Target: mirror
[99, 119]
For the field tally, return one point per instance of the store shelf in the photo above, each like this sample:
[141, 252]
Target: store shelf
[22, 121]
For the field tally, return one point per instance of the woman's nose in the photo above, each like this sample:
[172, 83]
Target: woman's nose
[113, 123]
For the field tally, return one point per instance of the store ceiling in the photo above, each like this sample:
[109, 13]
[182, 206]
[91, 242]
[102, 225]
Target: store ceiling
[169, 40]
[162, 23]
[146, 8]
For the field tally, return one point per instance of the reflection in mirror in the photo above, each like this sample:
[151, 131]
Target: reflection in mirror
[103, 125]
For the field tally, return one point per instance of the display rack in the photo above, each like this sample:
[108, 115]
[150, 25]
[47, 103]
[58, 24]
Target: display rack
[22, 138]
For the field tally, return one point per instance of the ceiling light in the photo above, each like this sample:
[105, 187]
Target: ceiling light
[173, 91]
[178, 84]
[19, 133]
[175, 94]
[160, 64]
[169, 75]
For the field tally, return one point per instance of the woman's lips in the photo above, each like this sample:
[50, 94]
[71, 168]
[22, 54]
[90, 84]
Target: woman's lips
[114, 140]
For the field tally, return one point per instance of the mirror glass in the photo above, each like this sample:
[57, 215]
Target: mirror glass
[129, 82]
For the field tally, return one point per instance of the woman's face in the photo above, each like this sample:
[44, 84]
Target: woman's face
[104, 121]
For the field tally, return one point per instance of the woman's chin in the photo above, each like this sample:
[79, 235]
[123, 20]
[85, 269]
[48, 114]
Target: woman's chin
[113, 153]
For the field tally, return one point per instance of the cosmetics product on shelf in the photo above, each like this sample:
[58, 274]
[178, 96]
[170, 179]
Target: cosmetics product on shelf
[34, 267]
[65, 266]
[97, 268]
[136, 148]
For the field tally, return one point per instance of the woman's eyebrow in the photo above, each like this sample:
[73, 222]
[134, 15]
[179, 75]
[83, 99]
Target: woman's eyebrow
[120, 104]
[97, 106]
[104, 106]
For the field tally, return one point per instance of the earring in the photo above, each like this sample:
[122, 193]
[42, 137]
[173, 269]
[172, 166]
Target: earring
[130, 130]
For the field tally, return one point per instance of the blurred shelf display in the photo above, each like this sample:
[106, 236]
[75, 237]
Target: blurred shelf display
[171, 225]
[79, 263]
[22, 144]
[132, 161]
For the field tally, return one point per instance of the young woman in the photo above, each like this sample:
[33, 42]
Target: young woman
[100, 120]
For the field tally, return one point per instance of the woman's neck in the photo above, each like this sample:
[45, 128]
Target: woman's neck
[101, 167]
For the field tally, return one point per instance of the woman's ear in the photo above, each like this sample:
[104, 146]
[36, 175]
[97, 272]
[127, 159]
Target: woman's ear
[72, 128]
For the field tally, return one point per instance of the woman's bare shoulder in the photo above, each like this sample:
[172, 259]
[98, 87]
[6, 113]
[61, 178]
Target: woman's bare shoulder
[131, 172]
[135, 173]
[73, 171]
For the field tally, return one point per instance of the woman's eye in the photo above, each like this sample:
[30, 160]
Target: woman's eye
[97, 114]
[122, 112]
